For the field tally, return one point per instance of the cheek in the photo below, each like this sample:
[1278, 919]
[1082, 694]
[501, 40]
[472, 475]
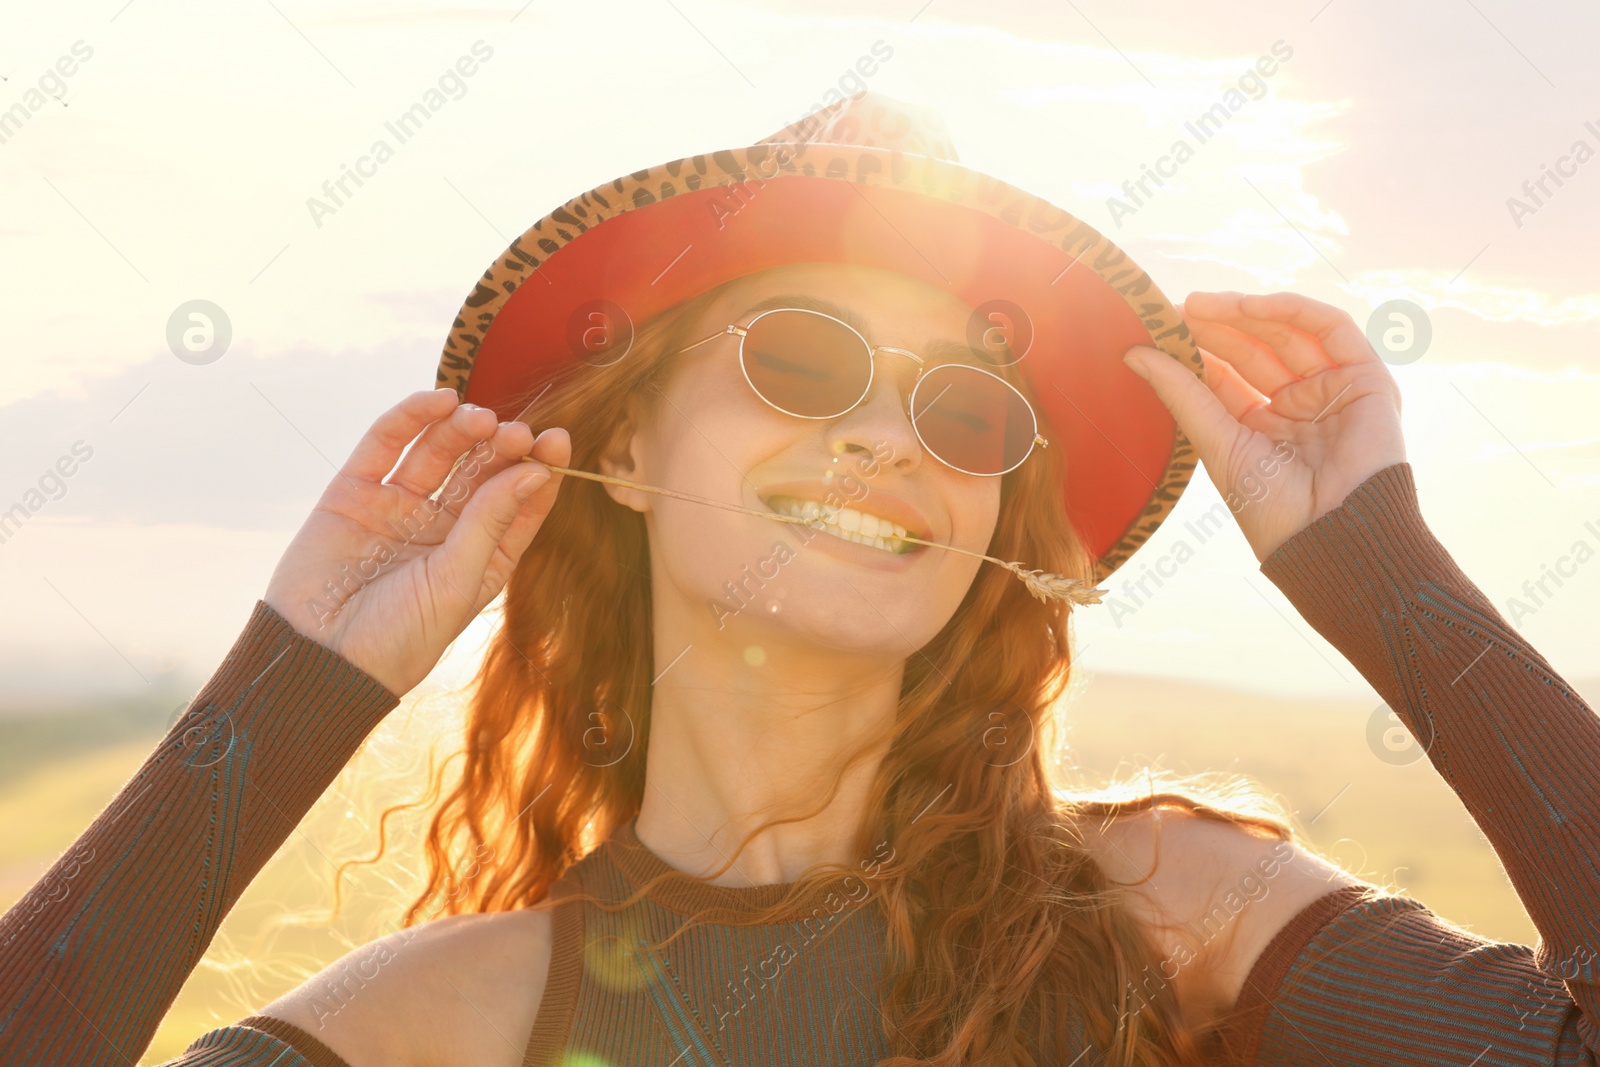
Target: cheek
[974, 511]
[706, 439]
[709, 431]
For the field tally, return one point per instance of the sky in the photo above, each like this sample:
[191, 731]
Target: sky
[162, 152]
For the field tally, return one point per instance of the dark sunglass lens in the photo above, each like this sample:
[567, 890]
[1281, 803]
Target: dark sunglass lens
[805, 363]
[971, 420]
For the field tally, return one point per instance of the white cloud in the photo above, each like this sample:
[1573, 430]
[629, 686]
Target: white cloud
[1435, 289]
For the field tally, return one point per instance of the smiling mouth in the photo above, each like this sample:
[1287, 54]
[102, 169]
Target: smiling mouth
[849, 524]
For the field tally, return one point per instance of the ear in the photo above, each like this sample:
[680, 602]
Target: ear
[623, 457]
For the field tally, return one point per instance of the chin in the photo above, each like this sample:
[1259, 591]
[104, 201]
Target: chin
[848, 624]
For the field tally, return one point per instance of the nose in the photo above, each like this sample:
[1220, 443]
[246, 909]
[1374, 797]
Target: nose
[878, 430]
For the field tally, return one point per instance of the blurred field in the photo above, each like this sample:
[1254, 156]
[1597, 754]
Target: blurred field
[1398, 826]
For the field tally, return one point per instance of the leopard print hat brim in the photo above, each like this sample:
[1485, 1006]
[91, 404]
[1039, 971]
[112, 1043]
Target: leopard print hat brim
[868, 180]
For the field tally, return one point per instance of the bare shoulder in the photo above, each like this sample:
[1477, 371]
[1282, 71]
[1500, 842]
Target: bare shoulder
[457, 990]
[1212, 894]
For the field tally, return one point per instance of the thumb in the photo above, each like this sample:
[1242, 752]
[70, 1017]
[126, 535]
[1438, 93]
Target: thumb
[1194, 406]
[470, 546]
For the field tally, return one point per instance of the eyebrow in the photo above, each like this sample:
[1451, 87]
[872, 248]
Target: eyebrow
[935, 350]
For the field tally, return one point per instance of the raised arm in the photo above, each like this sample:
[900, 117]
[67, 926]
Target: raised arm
[402, 551]
[1518, 746]
[93, 955]
[1300, 425]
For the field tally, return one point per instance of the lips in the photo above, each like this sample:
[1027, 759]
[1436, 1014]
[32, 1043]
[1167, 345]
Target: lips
[876, 507]
[847, 524]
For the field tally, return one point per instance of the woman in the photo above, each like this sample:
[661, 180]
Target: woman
[733, 792]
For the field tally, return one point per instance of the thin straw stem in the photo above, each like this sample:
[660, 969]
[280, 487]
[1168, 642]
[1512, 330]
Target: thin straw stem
[1041, 584]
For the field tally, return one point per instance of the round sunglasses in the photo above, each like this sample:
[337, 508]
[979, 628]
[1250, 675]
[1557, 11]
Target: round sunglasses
[814, 366]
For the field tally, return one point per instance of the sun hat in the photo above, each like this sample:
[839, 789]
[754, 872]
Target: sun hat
[874, 181]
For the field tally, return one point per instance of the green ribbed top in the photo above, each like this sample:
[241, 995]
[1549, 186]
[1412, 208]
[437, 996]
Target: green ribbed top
[796, 992]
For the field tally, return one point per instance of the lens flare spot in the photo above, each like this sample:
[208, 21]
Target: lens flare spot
[573, 1058]
[611, 962]
[755, 655]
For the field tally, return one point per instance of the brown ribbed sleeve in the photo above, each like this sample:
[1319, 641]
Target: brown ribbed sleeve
[1364, 977]
[257, 1041]
[93, 955]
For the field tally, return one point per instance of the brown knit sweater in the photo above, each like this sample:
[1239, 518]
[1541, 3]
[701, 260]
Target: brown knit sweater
[94, 954]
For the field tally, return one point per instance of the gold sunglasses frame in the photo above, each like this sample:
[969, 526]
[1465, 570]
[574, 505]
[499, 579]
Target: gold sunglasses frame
[733, 329]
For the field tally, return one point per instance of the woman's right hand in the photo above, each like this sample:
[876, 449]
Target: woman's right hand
[385, 576]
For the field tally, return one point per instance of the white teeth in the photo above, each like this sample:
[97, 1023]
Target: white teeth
[848, 524]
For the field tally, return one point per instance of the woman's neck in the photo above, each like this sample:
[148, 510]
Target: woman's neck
[740, 737]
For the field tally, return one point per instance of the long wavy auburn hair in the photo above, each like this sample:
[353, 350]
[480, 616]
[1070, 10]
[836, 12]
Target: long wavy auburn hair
[995, 911]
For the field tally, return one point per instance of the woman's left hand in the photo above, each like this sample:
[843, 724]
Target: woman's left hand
[1295, 412]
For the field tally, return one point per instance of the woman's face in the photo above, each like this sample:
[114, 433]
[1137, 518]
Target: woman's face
[761, 583]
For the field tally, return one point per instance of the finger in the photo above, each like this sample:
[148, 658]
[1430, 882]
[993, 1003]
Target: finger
[1321, 398]
[479, 464]
[1341, 339]
[429, 461]
[553, 446]
[1203, 418]
[375, 454]
[1237, 395]
[509, 443]
[491, 512]
[1240, 399]
[1255, 360]
[1299, 352]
